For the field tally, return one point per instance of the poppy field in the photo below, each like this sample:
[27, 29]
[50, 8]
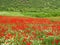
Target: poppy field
[16, 30]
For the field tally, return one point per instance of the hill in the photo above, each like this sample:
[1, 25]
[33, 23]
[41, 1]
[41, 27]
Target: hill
[32, 7]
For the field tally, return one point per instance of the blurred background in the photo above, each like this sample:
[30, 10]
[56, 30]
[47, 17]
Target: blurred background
[34, 8]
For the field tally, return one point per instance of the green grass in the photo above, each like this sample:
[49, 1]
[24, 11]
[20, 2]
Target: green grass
[9, 13]
[33, 8]
[31, 14]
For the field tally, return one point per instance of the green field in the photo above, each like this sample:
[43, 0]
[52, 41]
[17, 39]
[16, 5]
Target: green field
[34, 8]
[29, 14]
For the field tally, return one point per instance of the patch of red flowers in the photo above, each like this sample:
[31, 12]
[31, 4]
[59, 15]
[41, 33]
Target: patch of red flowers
[28, 27]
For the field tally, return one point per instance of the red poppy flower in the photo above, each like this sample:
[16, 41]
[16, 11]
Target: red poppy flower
[2, 34]
[50, 34]
[8, 36]
[28, 43]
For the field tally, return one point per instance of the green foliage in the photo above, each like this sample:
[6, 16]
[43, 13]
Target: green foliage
[35, 8]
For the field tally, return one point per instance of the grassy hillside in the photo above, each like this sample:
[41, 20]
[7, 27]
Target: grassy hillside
[37, 8]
